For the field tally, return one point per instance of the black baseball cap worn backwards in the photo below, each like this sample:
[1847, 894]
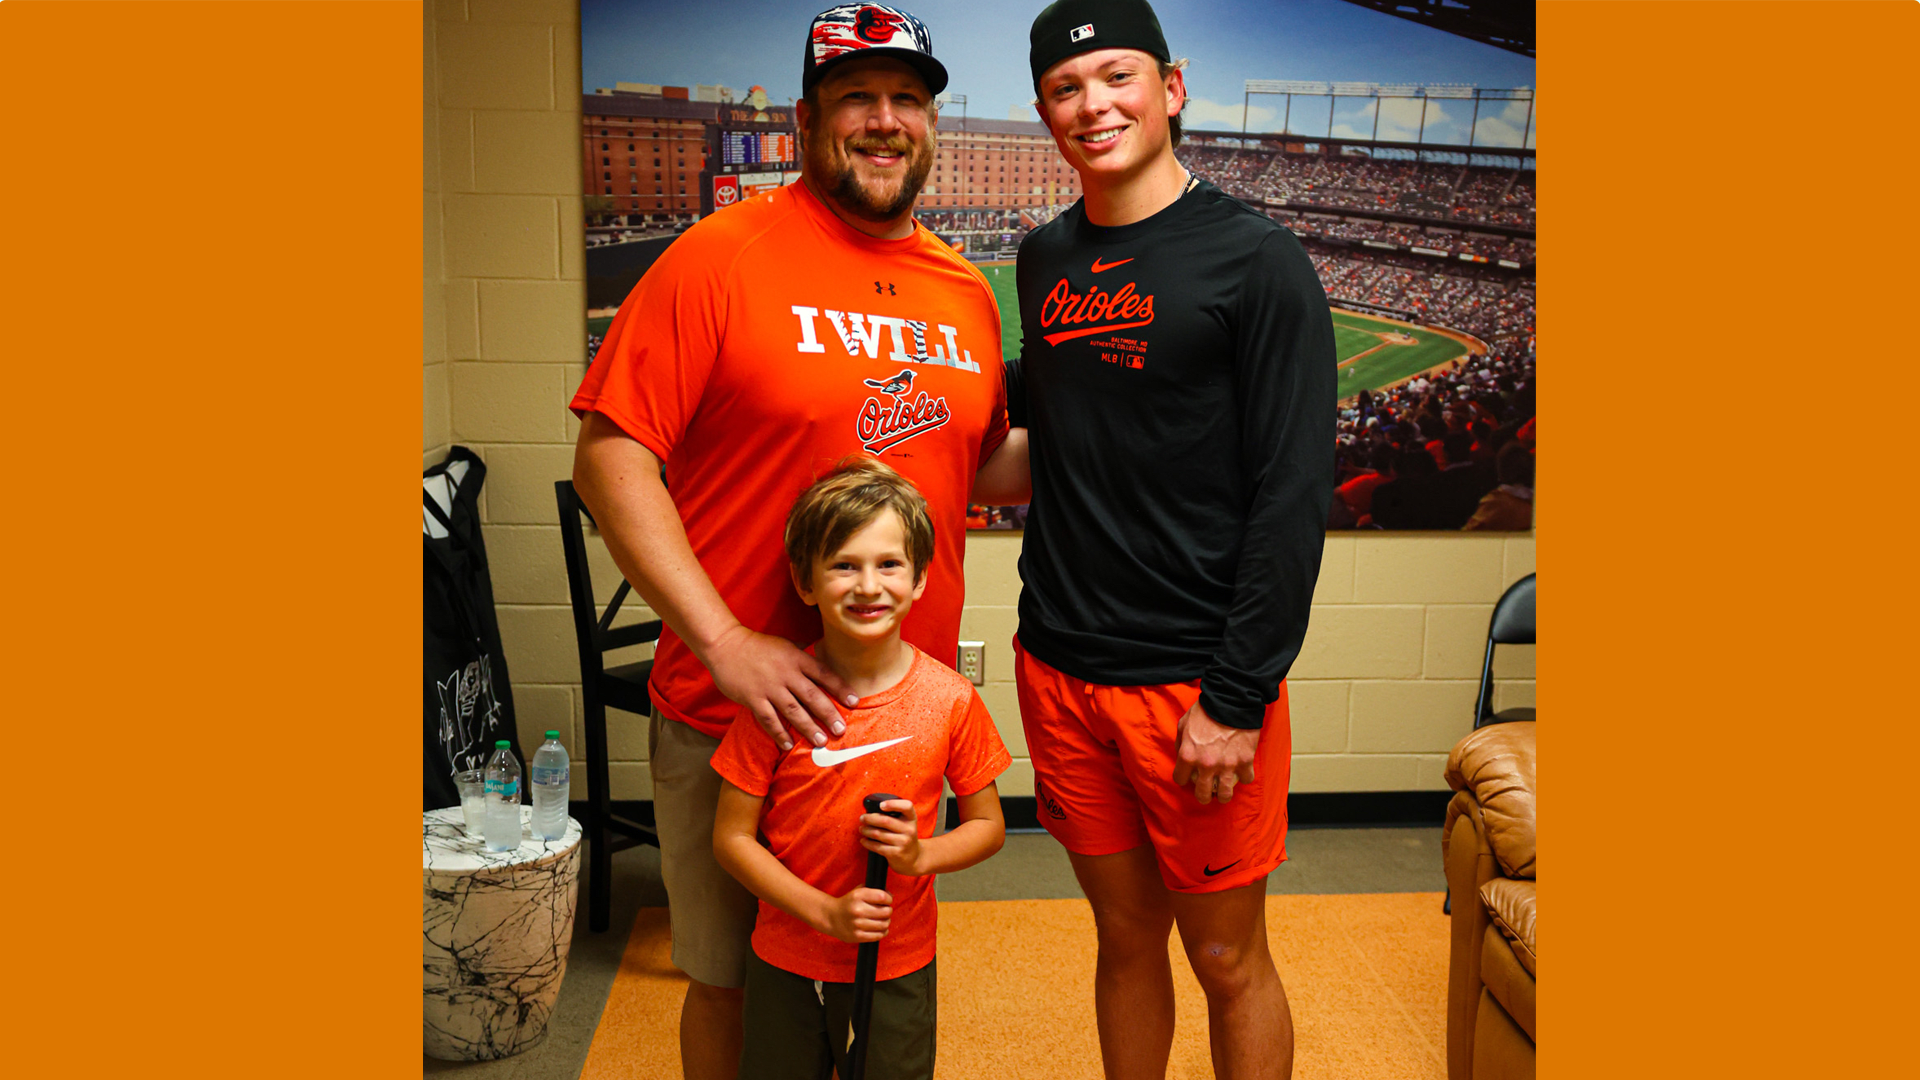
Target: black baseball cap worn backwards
[850, 31]
[1071, 27]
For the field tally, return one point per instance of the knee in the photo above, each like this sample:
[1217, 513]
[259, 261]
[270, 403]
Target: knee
[723, 997]
[1127, 929]
[1224, 969]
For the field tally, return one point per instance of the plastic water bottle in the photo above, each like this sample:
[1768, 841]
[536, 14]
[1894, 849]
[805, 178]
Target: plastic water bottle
[550, 789]
[503, 799]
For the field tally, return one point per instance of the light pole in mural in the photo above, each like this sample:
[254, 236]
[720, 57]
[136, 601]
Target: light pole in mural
[961, 100]
[1333, 91]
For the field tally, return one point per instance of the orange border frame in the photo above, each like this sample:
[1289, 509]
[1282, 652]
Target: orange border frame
[1714, 744]
[213, 352]
[218, 573]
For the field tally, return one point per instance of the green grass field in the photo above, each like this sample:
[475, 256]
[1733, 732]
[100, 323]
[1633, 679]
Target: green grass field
[1353, 334]
[1000, 276]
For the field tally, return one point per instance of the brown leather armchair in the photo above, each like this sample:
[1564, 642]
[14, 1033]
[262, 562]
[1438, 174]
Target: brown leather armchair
[1488, 846]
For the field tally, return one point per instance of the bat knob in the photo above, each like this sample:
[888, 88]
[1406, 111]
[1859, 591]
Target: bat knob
[873, 801]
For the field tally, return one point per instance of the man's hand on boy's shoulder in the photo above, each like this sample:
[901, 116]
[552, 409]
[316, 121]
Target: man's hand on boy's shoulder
[781, 685]
[861, 915]
[896, 838]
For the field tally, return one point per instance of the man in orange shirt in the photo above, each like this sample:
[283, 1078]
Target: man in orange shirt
[771, 340]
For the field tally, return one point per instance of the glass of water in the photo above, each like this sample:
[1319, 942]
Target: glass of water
[473, 799]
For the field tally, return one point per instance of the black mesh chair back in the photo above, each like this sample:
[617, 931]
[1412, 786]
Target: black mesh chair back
[622, 687]
[1512, 624]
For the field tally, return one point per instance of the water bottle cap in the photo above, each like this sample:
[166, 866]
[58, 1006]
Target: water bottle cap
[554, 735]
[503, 744]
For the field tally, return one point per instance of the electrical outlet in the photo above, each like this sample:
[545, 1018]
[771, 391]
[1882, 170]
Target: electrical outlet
[973, 661]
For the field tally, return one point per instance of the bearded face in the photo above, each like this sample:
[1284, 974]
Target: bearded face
[870, 140]
[857, 172]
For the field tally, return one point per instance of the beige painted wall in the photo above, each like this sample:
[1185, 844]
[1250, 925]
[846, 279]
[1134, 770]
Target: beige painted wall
[435, 420]
[1383, 688]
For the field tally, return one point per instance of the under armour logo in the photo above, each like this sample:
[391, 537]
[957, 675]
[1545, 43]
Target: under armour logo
[888, 290]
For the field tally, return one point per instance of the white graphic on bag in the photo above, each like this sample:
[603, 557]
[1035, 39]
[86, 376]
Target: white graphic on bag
[469, 715]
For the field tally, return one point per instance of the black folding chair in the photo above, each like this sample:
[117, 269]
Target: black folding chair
[622, 687]
[1512, 624]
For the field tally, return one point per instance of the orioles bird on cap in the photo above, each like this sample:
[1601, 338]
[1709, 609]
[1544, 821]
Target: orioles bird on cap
[1071, 27]
[856, 30]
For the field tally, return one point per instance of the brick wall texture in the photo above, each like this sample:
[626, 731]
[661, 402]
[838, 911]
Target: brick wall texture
[1382, 690]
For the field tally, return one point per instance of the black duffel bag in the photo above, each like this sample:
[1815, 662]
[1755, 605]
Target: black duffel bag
[469, 699]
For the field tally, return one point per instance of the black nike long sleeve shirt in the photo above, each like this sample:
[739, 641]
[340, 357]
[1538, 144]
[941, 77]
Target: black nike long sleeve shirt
[1177, 379]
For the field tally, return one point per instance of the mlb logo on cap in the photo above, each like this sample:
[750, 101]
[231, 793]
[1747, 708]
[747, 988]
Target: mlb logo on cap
[1066, 28]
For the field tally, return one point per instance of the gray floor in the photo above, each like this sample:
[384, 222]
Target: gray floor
[1032, 866]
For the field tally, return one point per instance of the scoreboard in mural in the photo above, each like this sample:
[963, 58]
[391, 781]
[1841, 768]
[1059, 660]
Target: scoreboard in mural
[740, 148]
[746, 159]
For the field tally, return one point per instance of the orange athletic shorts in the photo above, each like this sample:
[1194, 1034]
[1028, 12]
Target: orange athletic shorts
[1103, 759]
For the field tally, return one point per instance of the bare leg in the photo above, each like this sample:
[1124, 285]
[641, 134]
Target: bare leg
[1249, 1025]
[1132, 981]
[710, 1032]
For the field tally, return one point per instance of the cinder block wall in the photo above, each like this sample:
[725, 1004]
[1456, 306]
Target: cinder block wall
[1383, 689]
[435, 419]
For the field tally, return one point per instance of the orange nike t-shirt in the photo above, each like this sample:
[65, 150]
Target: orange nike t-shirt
[903, 740]
[770, 341]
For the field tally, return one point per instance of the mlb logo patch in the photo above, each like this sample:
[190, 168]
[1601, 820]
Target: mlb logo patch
[1081, 33]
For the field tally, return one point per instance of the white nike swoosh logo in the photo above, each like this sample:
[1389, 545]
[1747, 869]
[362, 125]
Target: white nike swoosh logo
[826, 758]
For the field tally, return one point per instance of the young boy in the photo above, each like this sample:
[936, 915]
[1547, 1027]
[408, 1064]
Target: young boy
[858, 543]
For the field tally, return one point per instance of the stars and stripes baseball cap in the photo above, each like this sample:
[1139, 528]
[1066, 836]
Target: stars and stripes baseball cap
[854, 30]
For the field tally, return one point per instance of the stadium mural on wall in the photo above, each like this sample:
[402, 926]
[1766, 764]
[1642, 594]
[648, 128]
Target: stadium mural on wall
[1400, 155]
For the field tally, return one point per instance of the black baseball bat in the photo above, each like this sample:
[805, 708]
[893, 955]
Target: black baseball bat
[867, 960]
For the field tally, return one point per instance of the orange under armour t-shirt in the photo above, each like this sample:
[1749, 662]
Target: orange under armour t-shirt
[770, 341]
[932, 724]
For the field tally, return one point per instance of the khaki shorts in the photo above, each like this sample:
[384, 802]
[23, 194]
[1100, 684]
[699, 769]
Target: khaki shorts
[711, 913]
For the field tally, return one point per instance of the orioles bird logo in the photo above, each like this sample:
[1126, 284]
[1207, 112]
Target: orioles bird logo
[875, 25]
[898, 385]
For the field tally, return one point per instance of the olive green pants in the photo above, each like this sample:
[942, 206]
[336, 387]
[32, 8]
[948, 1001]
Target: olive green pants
[797, 1029]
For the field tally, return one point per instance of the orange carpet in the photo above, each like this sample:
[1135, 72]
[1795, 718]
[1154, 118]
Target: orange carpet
[1366, 974]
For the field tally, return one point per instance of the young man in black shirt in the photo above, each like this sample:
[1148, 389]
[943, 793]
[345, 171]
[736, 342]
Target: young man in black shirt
[1177, 381]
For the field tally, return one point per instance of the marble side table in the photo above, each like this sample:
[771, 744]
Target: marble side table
[497, 929]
